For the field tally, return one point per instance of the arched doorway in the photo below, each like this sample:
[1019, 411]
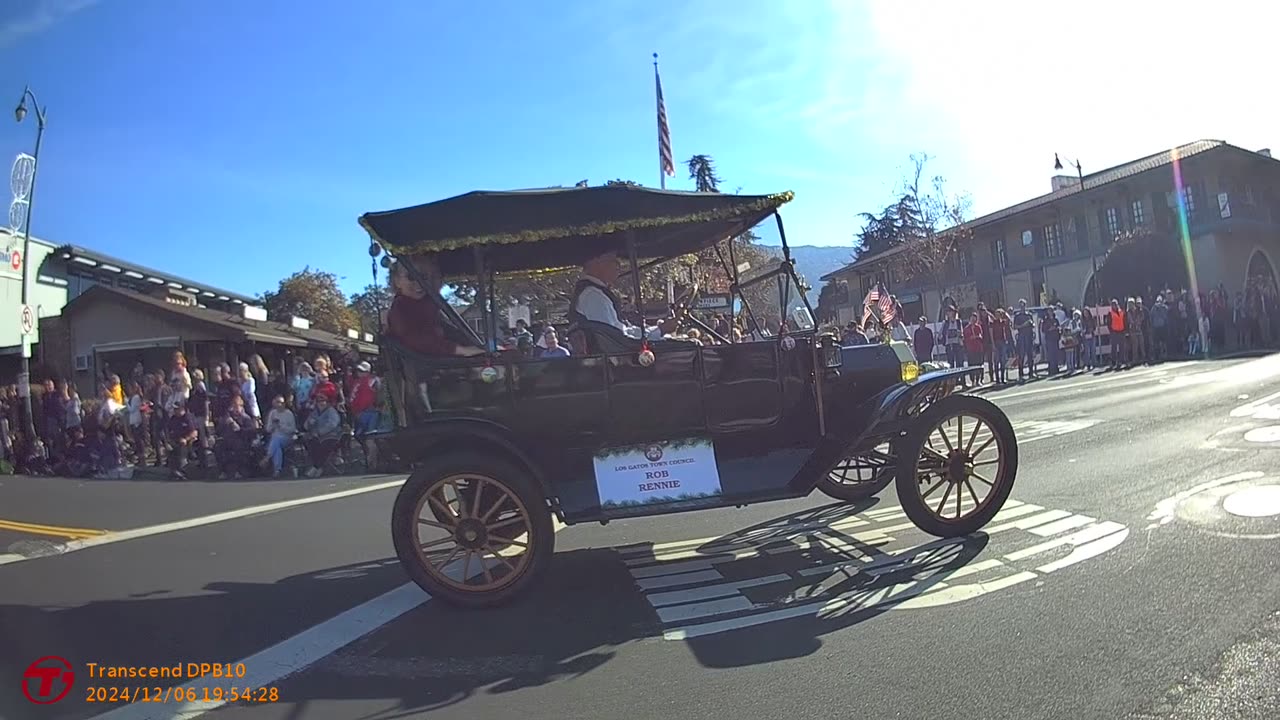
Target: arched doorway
[1141, 266]
[1260, 276]
[1090, 296]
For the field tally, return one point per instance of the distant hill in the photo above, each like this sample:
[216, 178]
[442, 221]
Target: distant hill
[814, 261]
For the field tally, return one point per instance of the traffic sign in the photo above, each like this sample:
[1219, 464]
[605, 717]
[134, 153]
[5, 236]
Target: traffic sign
[27, 317]
[15, 260]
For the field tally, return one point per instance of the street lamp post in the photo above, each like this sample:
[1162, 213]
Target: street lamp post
[1057, 165]
[19, 114]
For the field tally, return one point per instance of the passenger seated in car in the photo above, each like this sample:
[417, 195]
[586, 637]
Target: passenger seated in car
[594, 299]
[414, 318]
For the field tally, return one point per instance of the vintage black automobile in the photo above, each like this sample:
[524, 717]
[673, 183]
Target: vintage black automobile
[502, 443]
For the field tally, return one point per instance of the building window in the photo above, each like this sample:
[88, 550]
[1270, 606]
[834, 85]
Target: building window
[1052, 241]
[1082, 232]
[1113, 222]
[999, 260]
[1248, 194]
[966, 262]
[1028, 239]
[1189, 196]
[1139, 218]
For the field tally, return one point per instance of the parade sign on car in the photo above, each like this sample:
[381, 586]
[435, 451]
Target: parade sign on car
[667, 471]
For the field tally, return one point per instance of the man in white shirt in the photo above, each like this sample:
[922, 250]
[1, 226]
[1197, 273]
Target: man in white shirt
[593, 298]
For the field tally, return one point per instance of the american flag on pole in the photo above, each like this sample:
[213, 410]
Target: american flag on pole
[878, 299]
[665, 158]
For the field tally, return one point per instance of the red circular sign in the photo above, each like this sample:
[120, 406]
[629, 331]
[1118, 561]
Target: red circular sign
[43, 675]
[15, 260]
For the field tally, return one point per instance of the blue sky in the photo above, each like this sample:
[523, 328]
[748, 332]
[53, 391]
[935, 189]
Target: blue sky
[237, 141]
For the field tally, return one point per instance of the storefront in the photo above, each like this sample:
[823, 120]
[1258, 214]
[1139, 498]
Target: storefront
[114, 331]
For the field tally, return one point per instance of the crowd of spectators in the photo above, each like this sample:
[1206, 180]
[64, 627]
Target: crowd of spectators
[1055, 340]
[233, 422]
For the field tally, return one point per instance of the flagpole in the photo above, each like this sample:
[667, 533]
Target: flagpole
[662, 171]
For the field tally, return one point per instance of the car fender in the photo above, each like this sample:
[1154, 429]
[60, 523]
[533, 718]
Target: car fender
[885, 414]
[424, 439]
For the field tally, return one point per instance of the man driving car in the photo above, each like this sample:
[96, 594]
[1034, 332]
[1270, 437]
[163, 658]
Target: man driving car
[594, 299]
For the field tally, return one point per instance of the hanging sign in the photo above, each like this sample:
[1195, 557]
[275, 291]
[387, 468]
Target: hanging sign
[661, 472]
[713, 301]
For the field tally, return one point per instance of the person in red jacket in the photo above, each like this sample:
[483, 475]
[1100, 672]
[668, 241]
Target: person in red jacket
[324, 386]
[364, 398]
[414, 317]
[975, 343]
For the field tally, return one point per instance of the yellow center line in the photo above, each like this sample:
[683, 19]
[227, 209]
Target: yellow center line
[54, 530]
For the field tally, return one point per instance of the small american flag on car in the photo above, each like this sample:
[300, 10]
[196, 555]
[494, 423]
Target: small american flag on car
[878, 299]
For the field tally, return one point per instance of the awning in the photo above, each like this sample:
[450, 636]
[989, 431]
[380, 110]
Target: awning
[275, 339]
[145, 344]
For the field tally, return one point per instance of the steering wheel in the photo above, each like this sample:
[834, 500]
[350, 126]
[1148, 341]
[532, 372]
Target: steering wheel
[683, 305]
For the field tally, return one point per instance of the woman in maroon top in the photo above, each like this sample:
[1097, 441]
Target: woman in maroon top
[1001, 341]
[414, 317]
[974, 342]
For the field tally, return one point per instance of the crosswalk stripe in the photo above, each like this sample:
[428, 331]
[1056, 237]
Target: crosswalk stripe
[665, 581]
[1063, 525]
[692, 598]
[710, 592]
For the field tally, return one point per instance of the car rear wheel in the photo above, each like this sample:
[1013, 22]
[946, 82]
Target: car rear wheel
[956, 467]
[472, 530]
[860, 476]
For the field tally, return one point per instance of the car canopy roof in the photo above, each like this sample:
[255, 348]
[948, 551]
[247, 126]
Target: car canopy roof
[563, 227]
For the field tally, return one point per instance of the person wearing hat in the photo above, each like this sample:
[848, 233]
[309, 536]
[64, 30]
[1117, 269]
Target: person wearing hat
[364, 398]
[182, 434]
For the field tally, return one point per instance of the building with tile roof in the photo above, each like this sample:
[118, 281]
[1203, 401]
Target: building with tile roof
[1048, 247]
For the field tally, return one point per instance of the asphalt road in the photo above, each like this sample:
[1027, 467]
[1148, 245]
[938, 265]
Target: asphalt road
[1132, 575]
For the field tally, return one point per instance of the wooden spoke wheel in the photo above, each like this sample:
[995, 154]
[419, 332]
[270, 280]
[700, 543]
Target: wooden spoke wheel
[472, 530]
[473, 492]
[956, 467]
[860, 476]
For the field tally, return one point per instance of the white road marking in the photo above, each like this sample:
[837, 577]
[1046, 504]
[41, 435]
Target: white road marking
[666, 581]
[267, 667]
[852, 578]
[123, 535]
[1142, 375]
[1079, 538]
[1254, 502]
[1167, 509]
[1268, 434]
[1062, 525]
[296, 653]
[709, 592]
[1261, 409]
[1089, 550]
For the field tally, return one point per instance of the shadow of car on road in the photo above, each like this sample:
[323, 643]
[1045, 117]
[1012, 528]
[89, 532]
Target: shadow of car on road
[575, 621]
[788, 620]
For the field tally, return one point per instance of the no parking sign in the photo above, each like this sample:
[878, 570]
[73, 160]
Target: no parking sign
[27, 319]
